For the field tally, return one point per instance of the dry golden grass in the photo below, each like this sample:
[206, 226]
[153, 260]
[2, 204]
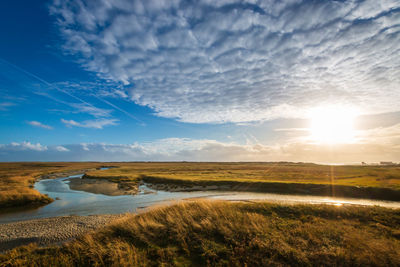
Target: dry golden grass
[374, 182]
[17, 179]
[305, 173]
[207, 233]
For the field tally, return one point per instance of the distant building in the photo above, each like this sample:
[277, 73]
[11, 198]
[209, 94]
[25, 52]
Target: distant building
[386, 163]
[363, 163]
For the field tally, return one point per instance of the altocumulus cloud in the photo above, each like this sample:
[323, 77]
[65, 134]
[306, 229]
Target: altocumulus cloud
[239, 61]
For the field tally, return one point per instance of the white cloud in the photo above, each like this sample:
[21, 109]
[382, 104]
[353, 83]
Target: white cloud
[85, 147]
[379, 144]
[81, 107]
[40, 125]
[231, 61]
[389, 136]
[92, 110]
[61, 149]
[97, 124]
[15, 146]
[98, 88]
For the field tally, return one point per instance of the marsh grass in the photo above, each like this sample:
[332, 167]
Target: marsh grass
[215, 233]
[284, 172]
[17, 179]
[371, 182]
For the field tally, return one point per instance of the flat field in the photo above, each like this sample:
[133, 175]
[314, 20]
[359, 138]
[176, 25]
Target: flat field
[305, 173]
[16, 179]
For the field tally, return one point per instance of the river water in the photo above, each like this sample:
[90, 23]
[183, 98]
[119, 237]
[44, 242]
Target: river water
[72, 202]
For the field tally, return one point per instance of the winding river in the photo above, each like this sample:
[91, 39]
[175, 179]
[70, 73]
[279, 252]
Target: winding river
[74, 202]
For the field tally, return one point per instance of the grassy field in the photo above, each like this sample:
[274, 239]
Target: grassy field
[375, 182]
[372, 176]
[232, 234]
[17, 179]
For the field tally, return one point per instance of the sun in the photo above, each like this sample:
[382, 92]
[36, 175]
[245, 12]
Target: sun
[332, 125]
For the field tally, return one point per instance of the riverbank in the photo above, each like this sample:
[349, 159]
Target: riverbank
[50, 231]
[102, 186]
[200, 233]
[371, 182]
[272, 172]
[17, 180]
[176, 185]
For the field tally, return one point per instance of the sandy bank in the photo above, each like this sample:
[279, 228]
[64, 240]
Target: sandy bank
[101, 186]
[50, 230]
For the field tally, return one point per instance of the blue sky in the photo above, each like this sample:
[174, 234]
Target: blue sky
[198, 80]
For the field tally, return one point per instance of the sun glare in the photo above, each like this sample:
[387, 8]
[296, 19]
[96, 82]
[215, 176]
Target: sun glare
[332, 125]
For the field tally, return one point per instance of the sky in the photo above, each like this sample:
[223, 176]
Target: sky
[227, 80]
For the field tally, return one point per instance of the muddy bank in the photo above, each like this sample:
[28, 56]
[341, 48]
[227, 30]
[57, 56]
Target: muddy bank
[25, 204]
[50, 230]
[175, 185]
[102, 186]
[278, 188]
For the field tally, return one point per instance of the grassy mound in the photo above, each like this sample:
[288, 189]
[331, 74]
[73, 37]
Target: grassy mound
[232, 234]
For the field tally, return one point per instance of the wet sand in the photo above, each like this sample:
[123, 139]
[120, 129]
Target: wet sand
[49, 231]
[101, 186]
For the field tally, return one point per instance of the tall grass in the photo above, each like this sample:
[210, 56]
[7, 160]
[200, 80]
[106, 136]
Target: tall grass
[204, 233]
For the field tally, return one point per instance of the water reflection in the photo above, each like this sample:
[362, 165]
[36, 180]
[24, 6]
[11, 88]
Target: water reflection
[71, 202]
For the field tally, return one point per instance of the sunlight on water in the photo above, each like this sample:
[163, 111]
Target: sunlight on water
[71, 202]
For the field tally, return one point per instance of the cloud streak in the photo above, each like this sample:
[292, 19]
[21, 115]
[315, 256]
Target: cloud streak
[90, 109]
[96, 124]
[239, 61]
[40, 125]
[46, 89]
[4, 106]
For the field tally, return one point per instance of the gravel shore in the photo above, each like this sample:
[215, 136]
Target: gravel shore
[49, 231]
